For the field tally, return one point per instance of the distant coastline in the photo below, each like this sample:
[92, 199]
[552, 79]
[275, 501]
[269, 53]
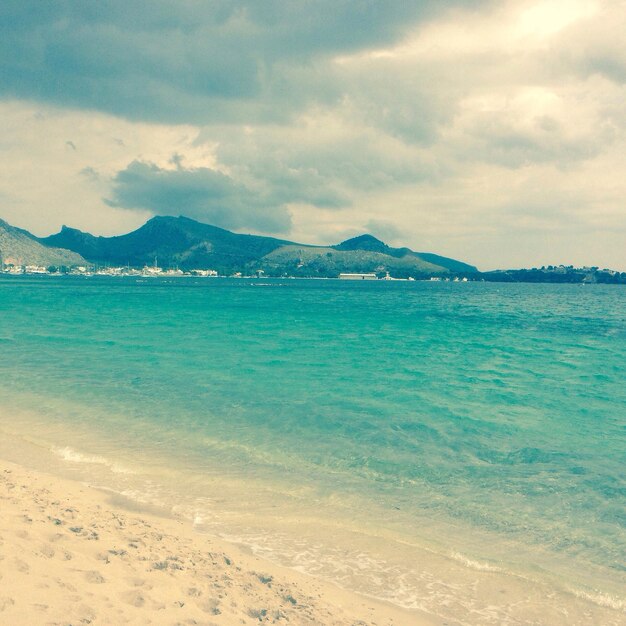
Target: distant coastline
[179, 246]
[552, 275]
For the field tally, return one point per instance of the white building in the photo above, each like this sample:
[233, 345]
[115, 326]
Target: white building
[357, 276]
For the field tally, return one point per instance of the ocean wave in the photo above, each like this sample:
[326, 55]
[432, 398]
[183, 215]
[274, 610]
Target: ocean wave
[601, 599]
[476, 565]
[73, 456]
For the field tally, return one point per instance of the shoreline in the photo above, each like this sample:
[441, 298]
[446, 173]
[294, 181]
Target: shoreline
[452, 589]
[74, 554]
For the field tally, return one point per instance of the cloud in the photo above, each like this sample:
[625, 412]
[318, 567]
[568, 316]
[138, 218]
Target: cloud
[558, 124]
[321, 158]
[47, 184]
[596, 47]
[90, 174]
[481, 130]
[384, 230]
[202, 193]
[191, 61]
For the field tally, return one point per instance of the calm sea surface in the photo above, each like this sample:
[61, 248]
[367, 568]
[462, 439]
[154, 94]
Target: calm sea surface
[455, 447]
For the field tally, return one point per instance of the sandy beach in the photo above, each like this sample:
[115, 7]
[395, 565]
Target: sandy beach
[71, 554]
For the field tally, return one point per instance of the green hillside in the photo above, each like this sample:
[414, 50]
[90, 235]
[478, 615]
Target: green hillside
[187, 244]
[295, 260]
[172, 242]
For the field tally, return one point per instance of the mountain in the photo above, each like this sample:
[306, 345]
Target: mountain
[188, 244]
[19, 247]
[364, 242]
[299, 260]
[171, 241]
[369, 242]
[185, 243]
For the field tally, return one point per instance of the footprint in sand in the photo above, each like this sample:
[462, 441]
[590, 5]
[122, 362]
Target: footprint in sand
[94, 577]
[87, 614]
[5, 603]
[47, 550]
[65, 585]
[139, 582]
[211, 606]
[21, 566]
[134, 598]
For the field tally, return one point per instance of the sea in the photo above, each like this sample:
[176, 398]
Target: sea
[454, 448]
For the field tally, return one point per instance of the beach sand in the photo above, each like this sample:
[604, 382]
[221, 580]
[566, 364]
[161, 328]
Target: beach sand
[72, 554]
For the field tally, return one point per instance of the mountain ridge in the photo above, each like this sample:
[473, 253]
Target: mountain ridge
[19, 247]
[189, 244]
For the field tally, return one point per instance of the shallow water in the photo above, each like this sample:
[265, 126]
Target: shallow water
[457, 447]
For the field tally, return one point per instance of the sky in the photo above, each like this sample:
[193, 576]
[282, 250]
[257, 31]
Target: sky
[491, 132]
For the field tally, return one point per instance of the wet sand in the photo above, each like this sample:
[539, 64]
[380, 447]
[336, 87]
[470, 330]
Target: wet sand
[70, 554]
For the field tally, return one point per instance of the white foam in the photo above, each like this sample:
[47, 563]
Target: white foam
[601, 599]
[476, 565]
[72, 456]
[67, 454]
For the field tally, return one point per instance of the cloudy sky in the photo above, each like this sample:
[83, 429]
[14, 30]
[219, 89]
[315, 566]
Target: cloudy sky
[493, 132]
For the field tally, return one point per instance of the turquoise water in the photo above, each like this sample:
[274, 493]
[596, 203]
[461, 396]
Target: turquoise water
[429, 426]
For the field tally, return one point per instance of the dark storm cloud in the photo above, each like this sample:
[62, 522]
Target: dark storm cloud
[190, 61]
[201, 193]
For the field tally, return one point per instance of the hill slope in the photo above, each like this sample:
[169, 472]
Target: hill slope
[185, 243]
[298, 260]
[19, 247]
[370, 243]
[172, 241]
